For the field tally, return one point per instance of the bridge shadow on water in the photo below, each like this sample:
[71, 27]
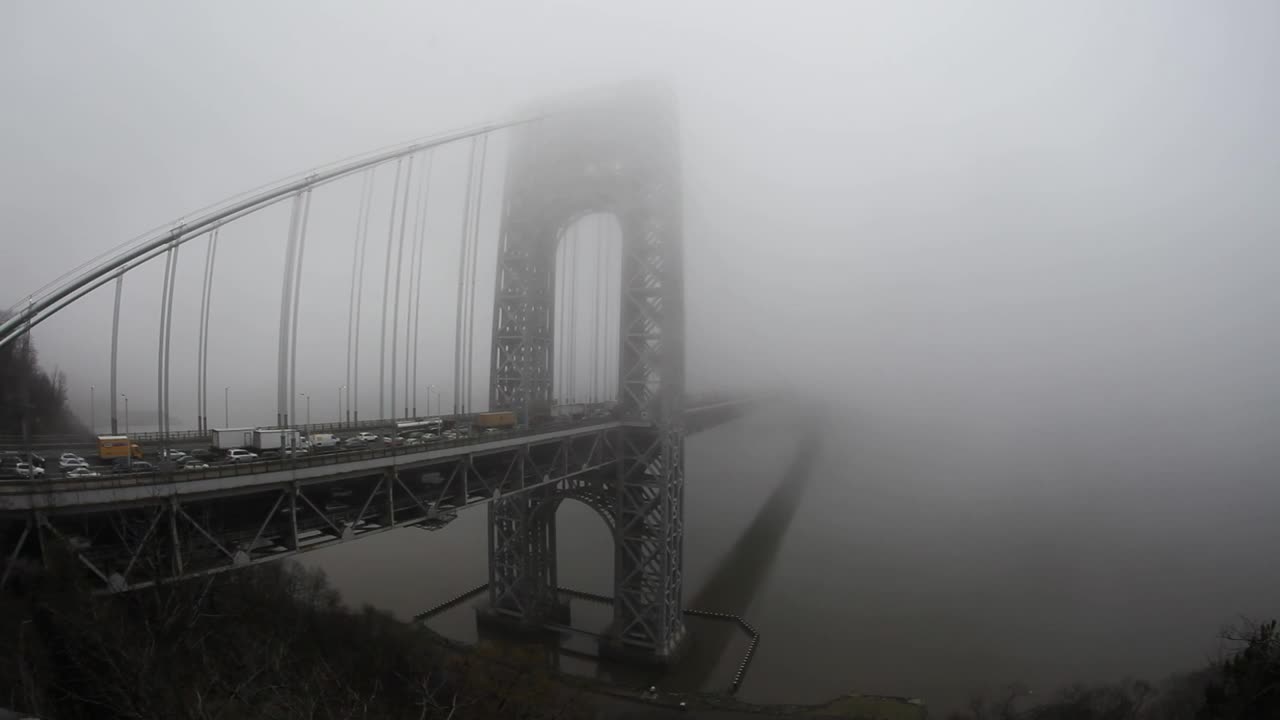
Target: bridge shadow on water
[738, 577]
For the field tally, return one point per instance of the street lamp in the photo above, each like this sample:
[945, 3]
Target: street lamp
[308, 397]
[226, 407]
[126, 414]
[430, 388]
[340, 389]
[93, 415]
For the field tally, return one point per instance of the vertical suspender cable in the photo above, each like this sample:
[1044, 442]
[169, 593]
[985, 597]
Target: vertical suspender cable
[567, 316]
[115, 347]
[297, 290]
[562, 331]
[168, 334]
[200, 338]
[213, 266]
[555, 323]
[613, 310]
[597, 311]
[462, 274]
[395, 314]
[357, 276]
[475, 260]
[364, 247]
[286, 294]
[204, 348]
[414, 245]
[606, 382]
[162, 359]
[386, 288]
[562, 252]
[468, 293]
[417, 300]
[204, 302]
[164, 295]
[573, 317]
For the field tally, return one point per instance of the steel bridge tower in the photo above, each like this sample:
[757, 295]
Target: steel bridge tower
[615, 153]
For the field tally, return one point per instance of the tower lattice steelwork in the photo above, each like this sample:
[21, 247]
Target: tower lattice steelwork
[614, 153]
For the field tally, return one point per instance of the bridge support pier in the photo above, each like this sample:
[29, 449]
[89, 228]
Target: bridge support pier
[640, 498]
[389, 488]
[290, 537]
[522, 561]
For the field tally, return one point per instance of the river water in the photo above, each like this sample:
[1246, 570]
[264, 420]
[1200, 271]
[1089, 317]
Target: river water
[924, 557]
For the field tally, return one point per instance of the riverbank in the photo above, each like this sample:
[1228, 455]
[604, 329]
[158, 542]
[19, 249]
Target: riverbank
[614, 702]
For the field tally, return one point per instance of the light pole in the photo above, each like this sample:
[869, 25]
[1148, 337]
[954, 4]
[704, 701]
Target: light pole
[308, 397]
[93, 414]
[430, 389]
[226, 407]
[340, 389]
[126, 416]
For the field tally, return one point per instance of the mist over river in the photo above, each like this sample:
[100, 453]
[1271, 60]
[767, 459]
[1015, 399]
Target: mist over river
[928, 556]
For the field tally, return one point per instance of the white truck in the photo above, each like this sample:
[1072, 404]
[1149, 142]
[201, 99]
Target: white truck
[230, 438]
[275, 439]
[324, 441]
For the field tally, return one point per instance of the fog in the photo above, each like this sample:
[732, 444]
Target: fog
[1043, 234]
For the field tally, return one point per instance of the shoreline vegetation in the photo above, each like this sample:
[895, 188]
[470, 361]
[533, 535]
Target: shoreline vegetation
[276, 641]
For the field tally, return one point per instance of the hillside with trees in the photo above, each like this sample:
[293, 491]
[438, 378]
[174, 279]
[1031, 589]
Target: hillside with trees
[32, 396]
[270, 642]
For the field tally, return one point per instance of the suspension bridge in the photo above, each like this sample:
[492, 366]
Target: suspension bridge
[586, 303]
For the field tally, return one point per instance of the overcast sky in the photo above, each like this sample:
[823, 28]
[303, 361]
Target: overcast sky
[1022, 204]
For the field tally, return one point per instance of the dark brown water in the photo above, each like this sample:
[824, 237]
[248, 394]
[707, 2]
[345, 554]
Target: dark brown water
[922, 556]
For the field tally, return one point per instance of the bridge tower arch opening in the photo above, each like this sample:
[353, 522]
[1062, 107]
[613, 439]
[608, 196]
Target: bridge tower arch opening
[594, 515]
[585, 311]
[616, 154]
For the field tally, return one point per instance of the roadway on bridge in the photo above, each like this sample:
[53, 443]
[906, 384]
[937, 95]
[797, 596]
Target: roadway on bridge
[167, 479]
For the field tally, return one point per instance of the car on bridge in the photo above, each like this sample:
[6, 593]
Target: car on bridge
[72, 462]
[27, 470]
[367, 436]
[83, 472]
[236, 455]
[354, 442]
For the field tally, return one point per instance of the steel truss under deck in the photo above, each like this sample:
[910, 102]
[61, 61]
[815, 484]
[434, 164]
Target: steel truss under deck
[135, 544]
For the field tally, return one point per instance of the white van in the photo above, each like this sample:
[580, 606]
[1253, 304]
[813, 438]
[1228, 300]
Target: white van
[325, 441]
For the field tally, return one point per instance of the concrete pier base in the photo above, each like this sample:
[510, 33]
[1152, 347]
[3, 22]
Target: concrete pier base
[612, 647]
[492, 618]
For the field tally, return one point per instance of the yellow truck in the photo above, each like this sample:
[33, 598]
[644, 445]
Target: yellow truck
[504, 420]
[111, 447]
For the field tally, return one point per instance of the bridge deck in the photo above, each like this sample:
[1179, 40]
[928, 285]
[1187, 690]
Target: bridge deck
[131, 531]
[67, 493]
